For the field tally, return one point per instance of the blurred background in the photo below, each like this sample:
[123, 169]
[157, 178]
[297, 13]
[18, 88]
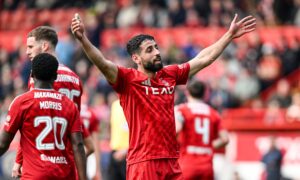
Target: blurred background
[254, 84]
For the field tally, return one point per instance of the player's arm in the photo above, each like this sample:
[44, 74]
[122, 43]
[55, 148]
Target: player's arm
[108, 68]
[211, 53]
[5, 140]
[79, 154]
[88, 144]
[16, 170]
[97, 153]
[222, 140]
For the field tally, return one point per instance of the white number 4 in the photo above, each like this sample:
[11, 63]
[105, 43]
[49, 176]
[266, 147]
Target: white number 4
[51, 125]
[202, 127]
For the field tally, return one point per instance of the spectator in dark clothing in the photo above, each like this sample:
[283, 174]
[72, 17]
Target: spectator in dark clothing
[272, 160]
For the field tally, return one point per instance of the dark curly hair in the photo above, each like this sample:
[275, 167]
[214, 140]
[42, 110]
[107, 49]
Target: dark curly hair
[196, 88]
[44, 67]
[133, 45]
[44, 33]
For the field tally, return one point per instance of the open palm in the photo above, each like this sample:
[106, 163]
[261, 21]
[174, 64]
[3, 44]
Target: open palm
[243, 26]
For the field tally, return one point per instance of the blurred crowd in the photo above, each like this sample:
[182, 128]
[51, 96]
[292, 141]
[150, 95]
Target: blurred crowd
[244, 72]
[248, 67]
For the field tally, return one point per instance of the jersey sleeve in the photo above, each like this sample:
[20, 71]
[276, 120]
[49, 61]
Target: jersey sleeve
[122, 79]
[94, 123]
[19, 155]
[179, 72]
[76, 126]
[85, 132]
[182, 73]
[14, 117]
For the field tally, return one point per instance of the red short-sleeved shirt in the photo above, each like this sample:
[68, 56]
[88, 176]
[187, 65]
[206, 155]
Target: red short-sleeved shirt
[148, 105]
[45, 126]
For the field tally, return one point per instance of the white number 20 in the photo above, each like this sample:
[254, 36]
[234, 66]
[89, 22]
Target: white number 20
[51, 127]
[202, 127]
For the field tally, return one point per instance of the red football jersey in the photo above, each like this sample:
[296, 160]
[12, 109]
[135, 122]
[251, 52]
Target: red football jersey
[89, 119]
[148, 105]
[201, 125]
[67, 82]
[46, 120]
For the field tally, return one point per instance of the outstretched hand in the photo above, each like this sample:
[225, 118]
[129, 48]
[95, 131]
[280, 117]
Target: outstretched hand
[245, 25]
[77, 27]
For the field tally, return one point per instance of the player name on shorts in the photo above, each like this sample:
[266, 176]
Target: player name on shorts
[198, 150]
[50, 105]
[48, 95]
[54, 159]
[159, 91]
[67, 78]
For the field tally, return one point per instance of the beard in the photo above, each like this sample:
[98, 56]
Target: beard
[154, 66]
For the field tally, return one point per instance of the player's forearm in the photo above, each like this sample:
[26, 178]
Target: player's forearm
[220, 142]
[209, 54]
[19, 155]
[89, 147]
[96, 57]
[97, 153]
[80, 160]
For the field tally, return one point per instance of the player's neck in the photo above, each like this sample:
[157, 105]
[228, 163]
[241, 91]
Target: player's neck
[194, 100]
[150, 74]
[43, 85]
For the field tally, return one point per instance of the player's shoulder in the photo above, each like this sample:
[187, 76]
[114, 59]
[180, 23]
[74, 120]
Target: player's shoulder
[20, 99]
[62, 69]
[181, 106]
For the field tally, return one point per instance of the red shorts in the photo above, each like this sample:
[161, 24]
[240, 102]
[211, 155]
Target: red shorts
[196, 167]
[156, 169]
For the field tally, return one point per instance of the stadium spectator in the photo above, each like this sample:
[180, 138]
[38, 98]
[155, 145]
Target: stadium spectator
[199, 133]
[272, 160]
[37, 114]
[293, 111]
[282, 94]
[44, 39]
[118, 142]
[147, 96]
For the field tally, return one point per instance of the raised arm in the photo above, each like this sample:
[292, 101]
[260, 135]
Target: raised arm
[211, 53]
[108, 68]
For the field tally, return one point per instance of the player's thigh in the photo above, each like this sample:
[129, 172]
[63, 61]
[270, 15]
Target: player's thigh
[159, 169]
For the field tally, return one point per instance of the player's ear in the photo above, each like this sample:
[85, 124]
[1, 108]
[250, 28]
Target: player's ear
[45, 46]
[136, 58]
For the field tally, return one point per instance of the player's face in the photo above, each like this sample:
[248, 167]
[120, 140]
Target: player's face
[150, 56]
[33, 47]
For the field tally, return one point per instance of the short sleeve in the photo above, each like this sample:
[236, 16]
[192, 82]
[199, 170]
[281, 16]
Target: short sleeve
[77, 125]
[14, 117]
[85, 132]
[94, 123]
[120, 84]
[182, 73]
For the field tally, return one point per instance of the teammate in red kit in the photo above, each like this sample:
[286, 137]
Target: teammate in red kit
[147, 97]
[91, 123]
[200, 132]
[47, 121]
[44, 39]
